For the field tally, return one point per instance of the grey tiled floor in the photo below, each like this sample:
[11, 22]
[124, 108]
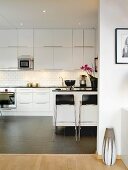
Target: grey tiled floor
[35, 135]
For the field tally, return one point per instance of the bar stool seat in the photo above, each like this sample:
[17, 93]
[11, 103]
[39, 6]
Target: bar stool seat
[87, 100]
[65, 99]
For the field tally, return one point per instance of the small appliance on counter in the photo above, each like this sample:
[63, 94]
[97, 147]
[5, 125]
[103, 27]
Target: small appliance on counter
[83, 81]
[70, 84]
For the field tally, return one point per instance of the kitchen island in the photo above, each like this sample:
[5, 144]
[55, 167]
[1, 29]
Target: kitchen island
[65, 113]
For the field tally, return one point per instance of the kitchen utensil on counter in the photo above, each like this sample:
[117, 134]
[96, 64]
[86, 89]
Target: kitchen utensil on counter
[83, 81]
[70, 83]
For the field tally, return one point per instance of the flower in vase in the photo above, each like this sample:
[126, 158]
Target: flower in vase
[89, 70]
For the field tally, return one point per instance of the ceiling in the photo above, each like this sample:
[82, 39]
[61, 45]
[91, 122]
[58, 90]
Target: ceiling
[59, 13]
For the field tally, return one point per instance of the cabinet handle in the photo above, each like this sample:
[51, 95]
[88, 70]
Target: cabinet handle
[89, 46]
[25, 102]
[42, 102]
[23, 46]
[78, 46]
[11, 46]
[53, 46]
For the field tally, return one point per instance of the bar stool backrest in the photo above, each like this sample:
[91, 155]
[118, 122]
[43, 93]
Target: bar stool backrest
[89, 99]
[65, 99]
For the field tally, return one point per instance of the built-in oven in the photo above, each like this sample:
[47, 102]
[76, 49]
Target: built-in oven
[7, 98]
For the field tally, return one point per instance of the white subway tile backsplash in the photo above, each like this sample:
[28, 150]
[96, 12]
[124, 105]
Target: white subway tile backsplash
[44, 78]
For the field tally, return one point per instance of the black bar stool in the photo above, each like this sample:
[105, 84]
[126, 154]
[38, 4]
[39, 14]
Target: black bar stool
[65, 99]
[86, 100]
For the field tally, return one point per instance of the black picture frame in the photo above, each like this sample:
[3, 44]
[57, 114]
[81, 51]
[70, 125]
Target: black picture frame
[121, 45]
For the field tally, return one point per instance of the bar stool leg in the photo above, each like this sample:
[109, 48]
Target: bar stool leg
[75, 123]
[79, 120]
[55, 117]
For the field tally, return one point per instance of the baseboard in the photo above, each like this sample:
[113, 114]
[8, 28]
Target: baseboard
[100, 157]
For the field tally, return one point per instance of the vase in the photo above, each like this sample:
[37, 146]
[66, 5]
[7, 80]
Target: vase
[94, 83]
[109, 147]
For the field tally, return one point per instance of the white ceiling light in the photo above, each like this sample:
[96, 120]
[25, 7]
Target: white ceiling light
[44, 11]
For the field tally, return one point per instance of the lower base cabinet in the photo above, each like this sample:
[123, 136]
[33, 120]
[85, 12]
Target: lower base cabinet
[33, 101]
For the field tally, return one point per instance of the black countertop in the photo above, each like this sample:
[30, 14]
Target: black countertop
[57, 87]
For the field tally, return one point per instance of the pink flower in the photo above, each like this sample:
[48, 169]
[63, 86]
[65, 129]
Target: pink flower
[87, 68]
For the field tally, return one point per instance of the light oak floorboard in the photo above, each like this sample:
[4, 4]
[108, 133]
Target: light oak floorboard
[56, 162]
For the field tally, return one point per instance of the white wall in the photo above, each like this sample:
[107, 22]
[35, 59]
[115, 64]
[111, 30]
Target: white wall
[44, 78]
[113, 85]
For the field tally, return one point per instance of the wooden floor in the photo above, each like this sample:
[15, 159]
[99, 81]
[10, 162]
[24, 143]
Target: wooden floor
[55, 162]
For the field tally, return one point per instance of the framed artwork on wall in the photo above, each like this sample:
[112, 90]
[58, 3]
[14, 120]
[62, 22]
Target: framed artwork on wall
[121, 45]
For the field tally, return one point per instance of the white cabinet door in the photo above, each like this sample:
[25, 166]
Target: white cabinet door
[62, 37]
[78, 57]
[89, 55]
[43, 58]
[8, 58]
[41, 101]
[43, 37]
[24, 101]
[25, 37]
[8, 38]
[78, 38]
[89, 37]
[25, 42]
[63, 58]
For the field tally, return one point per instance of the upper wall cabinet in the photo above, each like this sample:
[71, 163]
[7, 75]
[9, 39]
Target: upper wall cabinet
[25, 42]
[8, 38]
[63, 58]
[62, 37]
[43, 58]
[43, 38]
[89, 37]
[8, 58]
[25, 38]
[78, 38]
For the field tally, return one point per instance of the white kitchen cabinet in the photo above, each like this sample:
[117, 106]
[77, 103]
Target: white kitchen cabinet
[8, 38]
[33, 101]
[63, 58]
[25, 42]
[78, 58]
[43, 58]
[24, 101]
[8, 58]
[41, 101]
[89, 37]
[62, 37]
[25, 37]
[89, 55]
[43, 37]
[78, 38]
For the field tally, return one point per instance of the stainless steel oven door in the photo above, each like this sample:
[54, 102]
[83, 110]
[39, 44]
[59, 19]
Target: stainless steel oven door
[7, 100]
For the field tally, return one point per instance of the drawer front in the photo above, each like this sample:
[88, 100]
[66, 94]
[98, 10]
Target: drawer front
[24, 98]
[41, 107]
[41, 98]
[24, 107]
